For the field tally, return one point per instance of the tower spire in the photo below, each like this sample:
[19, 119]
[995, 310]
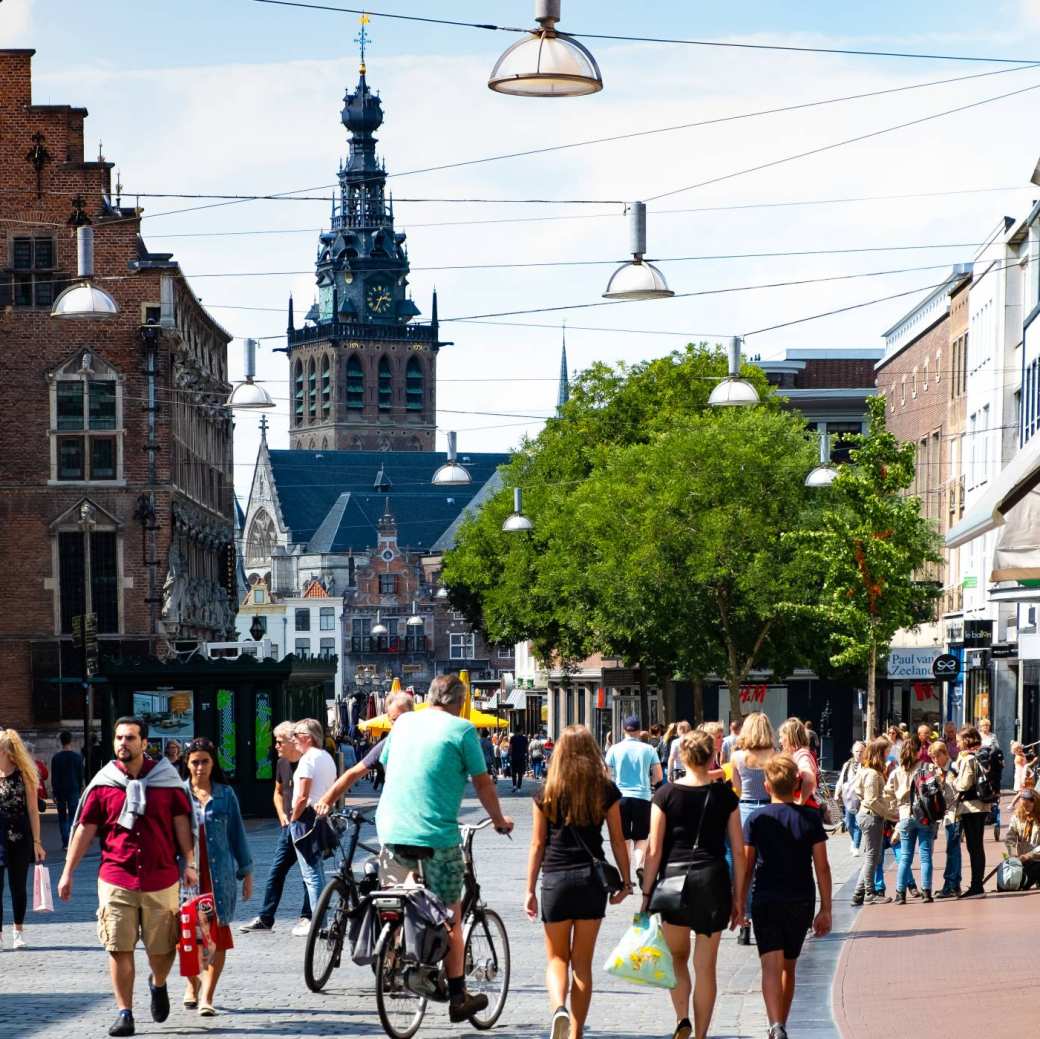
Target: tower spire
[362, 38]
[564, 393]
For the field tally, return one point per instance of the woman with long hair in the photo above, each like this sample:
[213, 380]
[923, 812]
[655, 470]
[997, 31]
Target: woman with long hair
[1023, 836]
[756, 746]
[566, 838]
[223, 857]
[875, 809]
[972, 811]
[689, 823]
[900, 788]
[794, 742]
[19, 828]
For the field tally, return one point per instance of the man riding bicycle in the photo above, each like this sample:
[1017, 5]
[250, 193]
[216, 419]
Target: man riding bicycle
[427, 758]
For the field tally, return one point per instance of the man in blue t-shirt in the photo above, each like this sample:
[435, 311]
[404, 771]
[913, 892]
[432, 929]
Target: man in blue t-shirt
[428, 758]
[784, 842]
[635, 769]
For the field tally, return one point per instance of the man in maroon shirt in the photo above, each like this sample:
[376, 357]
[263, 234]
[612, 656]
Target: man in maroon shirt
[139, 877]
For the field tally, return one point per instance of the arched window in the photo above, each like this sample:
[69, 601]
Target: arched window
[324, 443]
[386, 385]
[326, 387]
[413, 385]
[355, 383]
[312, 391]
[298, 394]
[261, 539]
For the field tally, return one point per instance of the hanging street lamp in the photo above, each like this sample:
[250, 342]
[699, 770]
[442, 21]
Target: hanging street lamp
[414, 621]
[733, 391]
[451, 474]
[84, 300]
[546, 63]
[248, 395]
[517, 522]
[824, 474]
[637, 279]
[379, 629]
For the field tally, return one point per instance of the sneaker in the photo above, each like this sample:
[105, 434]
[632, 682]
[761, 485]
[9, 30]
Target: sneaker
[858, 898]
[123, 1024]
[877, 900]
[19, 941]
[258, 923]
[949, 892]
[561, 1024]
[463, 1009]
[854, 852]
[900, 898]
[926, 896]
[777, 1032]
[996, 833]
[683, 1030]
[973, 892]
[160, 1002]
[302, 928]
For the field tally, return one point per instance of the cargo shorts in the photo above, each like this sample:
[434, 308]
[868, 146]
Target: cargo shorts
[443, 872]
[124, 915]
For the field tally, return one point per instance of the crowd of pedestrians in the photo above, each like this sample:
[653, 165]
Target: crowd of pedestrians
[711, 830]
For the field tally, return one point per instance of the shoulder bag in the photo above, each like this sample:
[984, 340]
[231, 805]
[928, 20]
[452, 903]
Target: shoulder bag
[604, 875]
[667, 896]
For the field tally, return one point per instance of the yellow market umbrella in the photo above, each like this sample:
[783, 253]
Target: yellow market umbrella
[395, 685]
[380, 725]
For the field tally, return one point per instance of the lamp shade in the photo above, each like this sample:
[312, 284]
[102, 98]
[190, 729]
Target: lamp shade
[732, 393]
[378, 629]
[517, 522]
[821, 476]
[637, 280]
[83, 300]
[546, 64]
[442, 593]
[248, 396]
[451, 474]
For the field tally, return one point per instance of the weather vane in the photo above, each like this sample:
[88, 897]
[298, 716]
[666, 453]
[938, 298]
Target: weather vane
[362, 37]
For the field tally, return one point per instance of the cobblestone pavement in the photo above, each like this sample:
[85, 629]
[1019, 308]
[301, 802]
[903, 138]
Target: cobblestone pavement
[58, 988]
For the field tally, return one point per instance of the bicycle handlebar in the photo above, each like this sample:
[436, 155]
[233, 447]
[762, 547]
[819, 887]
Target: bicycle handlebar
[470, 828]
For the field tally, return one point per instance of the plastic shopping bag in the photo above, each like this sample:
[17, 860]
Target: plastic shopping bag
[43, 901]
[642, 955]
[197, 934]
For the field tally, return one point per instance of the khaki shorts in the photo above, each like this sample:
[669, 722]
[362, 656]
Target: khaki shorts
[124, 915]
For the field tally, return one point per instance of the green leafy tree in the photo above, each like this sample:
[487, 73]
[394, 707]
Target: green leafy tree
[870, 553]
[658, 533]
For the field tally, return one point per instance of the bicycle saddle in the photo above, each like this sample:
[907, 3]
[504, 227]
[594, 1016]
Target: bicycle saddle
[411, 851]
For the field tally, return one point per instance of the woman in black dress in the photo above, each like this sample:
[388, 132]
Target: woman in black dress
[686, 861]
[567, 837]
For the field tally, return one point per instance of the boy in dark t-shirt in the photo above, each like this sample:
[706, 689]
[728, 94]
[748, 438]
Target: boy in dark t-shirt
[783, 842]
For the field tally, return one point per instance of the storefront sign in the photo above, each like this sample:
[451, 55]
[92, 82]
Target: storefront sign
[1004, 650]
[946, 667]
[909, 664]
[978, 633]
[970, 582]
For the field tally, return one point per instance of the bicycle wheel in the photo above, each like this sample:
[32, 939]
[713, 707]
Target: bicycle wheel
[487, 964]
[328, 929]
[400, 1010]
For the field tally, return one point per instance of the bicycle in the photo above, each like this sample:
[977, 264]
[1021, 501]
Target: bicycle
[826, 796]
[340, 896]
[404, 986]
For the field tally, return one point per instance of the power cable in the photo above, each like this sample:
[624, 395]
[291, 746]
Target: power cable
[615, 37]
[842, 143]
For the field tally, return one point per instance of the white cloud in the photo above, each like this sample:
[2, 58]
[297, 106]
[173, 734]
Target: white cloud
[15, 21]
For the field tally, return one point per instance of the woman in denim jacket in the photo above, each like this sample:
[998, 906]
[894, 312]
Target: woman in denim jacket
[223, 857]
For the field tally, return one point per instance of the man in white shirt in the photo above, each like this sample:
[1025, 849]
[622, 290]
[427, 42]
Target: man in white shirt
[314, 775]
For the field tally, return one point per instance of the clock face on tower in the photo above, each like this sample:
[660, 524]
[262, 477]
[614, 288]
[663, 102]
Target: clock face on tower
[378, 298]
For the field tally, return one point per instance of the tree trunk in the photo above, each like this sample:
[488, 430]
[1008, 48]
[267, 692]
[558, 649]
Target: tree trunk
[735, 713]
[666, 706]
[644, 699]
[872, 719]
[698, 700]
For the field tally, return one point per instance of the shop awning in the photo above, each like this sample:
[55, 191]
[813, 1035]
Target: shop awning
[1016, 481]
[517, 699]
[1017, 553]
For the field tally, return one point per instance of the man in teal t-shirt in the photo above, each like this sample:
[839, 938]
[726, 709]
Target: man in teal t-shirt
[636, 770]
[427, 757]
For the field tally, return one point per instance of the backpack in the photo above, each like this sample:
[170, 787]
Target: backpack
[984, 788]
[1011, 876]
[927, 801]
[991, 760]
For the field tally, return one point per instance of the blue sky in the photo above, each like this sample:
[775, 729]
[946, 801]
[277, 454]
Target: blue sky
[236, 96]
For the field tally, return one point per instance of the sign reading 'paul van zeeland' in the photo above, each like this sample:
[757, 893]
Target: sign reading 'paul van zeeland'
[910, 664]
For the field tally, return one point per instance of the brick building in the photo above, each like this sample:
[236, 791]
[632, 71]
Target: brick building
[124, 416]
[922, 377]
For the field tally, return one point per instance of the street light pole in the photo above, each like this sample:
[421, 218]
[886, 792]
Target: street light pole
[87, 630]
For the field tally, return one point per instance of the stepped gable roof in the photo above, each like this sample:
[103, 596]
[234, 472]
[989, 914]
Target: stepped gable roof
[311, 484]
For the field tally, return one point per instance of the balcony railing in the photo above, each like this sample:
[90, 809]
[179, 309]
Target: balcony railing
[389, 644]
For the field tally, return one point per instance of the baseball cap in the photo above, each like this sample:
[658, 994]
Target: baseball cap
[631, 724]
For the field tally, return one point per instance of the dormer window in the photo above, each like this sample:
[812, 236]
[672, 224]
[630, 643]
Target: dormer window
[86, 422]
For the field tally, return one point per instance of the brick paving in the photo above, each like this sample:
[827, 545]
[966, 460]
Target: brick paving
[58, 988]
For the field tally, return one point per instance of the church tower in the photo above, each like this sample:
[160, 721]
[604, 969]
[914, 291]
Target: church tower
[362, 373]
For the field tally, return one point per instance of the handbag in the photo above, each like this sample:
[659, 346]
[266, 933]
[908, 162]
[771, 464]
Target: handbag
[642, 956]
[604, 875]
[667, 896]
[43, 900]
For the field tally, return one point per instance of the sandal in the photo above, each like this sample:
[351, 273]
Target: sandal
[191, 997]
[207, 1010]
